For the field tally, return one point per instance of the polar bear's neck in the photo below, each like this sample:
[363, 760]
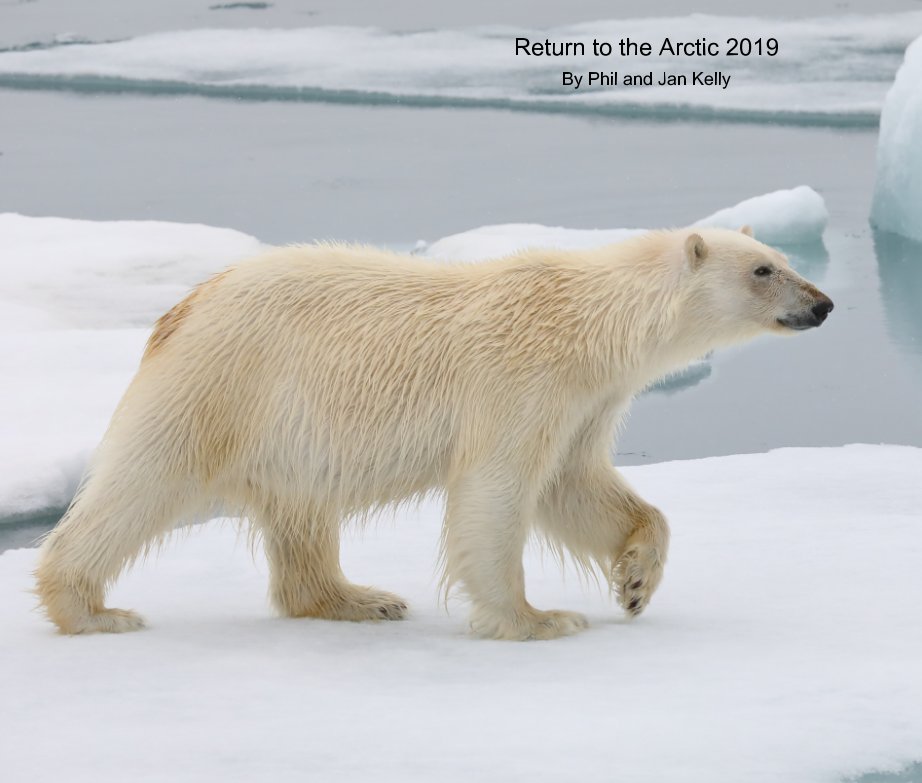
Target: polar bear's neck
[626, 312]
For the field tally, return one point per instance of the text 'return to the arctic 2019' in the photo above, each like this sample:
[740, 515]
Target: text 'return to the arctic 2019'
[667, 48]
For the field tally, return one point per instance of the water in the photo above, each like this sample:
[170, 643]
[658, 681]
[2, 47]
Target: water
[294, 171]
[26, 529]
[911, 774]
[857, 379]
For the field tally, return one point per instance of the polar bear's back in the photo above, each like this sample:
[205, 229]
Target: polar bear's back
[347, 359]
[395, 369]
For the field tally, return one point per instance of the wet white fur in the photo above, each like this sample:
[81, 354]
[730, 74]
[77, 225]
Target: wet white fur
[316, 383]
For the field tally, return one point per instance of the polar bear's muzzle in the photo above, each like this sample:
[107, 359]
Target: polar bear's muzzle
[814, 314]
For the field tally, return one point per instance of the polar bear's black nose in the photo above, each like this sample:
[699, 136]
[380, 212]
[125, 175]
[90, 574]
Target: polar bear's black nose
[822, 308]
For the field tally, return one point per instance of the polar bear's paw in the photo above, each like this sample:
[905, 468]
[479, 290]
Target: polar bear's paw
[636, 576]
[106, 621]
[79, 609]
[527, 624]
[366, 603]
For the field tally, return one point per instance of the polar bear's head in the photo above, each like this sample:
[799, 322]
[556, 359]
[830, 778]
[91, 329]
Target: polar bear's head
[747, 287]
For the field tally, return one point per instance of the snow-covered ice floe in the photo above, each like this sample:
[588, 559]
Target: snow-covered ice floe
[898, 191]
[783, 645]
[830, 70]
[784, 217]
[493, 241]
[77, 301]
[88, 274]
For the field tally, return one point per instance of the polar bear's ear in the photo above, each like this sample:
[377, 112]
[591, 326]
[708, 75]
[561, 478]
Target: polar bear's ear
[747, 230]
[695, 250]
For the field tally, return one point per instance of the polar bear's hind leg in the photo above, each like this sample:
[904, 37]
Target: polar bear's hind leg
[109, 524]
[305, 577]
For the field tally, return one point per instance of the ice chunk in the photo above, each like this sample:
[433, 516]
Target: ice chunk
[82, 273]
[508, 238]
[685, 378]
[58, 392]
[897, 203]
[72, 290]
[783, 217]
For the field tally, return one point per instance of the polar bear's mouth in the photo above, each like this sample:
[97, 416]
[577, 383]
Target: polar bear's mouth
[796, 324]
[813, 317]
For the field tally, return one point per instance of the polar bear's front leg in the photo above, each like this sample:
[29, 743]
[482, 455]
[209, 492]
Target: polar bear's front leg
[594, 513]
[486, 524]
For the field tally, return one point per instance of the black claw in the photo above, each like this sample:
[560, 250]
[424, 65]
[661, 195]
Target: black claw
[636, 584]
[633, 604]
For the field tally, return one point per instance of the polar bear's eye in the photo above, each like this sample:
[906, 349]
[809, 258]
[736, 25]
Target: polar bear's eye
[763, 271]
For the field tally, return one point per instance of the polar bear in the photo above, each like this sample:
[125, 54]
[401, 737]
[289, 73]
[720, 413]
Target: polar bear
[316, 383]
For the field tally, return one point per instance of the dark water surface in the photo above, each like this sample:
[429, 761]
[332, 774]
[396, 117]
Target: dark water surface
[290, 172]
[911, 774]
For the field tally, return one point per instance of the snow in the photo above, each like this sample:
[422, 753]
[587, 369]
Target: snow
[785, 217]
[502, 240]
[832, 69]
[77, 301]
[58, 391]
[898, 191]
[783, 645]
[88, 274]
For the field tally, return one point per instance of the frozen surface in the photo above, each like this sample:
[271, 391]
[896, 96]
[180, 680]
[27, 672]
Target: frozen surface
[58, 388]
[495, 241]
[90, 275]
[898, 190]
[785, 217]
[791, 217]
[76, 303]
[832, 70]
[783, 645]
